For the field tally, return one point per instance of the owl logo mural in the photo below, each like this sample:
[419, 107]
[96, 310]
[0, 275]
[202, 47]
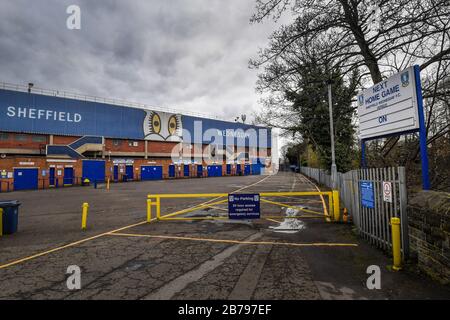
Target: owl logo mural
[162, 126]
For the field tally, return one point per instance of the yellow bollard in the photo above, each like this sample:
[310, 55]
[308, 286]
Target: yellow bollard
[158, 208]
[107, 184]
[396, 251]
[336, 208]
[149, 210]
[1, 222]
[84, 215]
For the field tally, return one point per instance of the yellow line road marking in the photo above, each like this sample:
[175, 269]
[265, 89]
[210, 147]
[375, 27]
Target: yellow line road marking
[314, 244]
[68, 245]
[195, 208]
[292, 207]
[299, 201]
[72, 244]
[321, 197]
[293, 217]
[196, 218]
[218, 208]
[269, 219]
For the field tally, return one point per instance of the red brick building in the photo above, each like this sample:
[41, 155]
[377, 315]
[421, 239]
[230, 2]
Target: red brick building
[49, 140]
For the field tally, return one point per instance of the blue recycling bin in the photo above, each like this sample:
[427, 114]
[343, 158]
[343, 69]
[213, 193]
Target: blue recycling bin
[10, 217]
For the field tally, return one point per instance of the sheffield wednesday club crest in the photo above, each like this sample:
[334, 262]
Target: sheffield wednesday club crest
[405, 79]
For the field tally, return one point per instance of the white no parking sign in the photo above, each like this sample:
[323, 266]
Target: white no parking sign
[387, 191]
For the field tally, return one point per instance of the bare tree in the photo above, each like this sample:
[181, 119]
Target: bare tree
[375, 37]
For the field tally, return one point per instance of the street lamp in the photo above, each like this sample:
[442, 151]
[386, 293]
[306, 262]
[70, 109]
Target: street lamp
[333, 155]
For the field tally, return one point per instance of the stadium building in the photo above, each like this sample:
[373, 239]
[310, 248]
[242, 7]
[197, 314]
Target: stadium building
[55, 139]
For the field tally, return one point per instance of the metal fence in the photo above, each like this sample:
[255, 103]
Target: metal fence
[372, 222]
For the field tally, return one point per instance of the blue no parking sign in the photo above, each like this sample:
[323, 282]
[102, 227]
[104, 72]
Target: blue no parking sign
[244, 206]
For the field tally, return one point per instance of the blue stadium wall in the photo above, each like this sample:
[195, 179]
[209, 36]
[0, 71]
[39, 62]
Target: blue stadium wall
[70, 117]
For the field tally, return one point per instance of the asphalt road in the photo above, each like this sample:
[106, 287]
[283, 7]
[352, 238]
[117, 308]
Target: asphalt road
[122, 257]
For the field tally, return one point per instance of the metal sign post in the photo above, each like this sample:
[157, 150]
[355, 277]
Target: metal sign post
[333, 154]
[422, 131]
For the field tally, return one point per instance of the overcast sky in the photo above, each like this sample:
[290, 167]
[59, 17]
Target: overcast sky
[183, 54]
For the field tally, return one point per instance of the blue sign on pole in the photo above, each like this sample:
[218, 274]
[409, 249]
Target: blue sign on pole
[367, 194]
[244, 206]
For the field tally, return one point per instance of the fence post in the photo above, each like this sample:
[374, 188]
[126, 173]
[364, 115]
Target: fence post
[396, 250]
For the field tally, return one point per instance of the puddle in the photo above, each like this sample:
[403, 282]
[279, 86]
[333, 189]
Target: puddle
[292, 225]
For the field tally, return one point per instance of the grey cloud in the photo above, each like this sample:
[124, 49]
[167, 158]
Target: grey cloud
[184, 54]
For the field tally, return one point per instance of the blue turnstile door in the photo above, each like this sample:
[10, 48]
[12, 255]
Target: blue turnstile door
[51, 177]
[228, 169]
[129, 172]
[238, 169]
[256, 169]
[116, 173]
[68, 176]
[151, 173]
[94, 170]
[218, 171]
[26, 178]
[247, 170]
[172, 171]
[199, 170]
[214, 171]
[186, 170]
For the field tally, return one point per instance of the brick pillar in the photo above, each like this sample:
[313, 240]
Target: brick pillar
[146, 149]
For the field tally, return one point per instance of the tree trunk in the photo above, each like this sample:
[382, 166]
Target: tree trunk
[351, 17]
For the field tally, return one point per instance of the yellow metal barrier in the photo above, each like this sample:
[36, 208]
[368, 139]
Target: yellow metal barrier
[155, 200]
[396, 250]
[149, 210]
[84, 215]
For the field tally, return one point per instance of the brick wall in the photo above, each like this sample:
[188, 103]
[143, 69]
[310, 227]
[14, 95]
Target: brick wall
[162, 147]
[9, 163]
[23, 141]
[429, 228]
[124, 145]
[64, 140]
